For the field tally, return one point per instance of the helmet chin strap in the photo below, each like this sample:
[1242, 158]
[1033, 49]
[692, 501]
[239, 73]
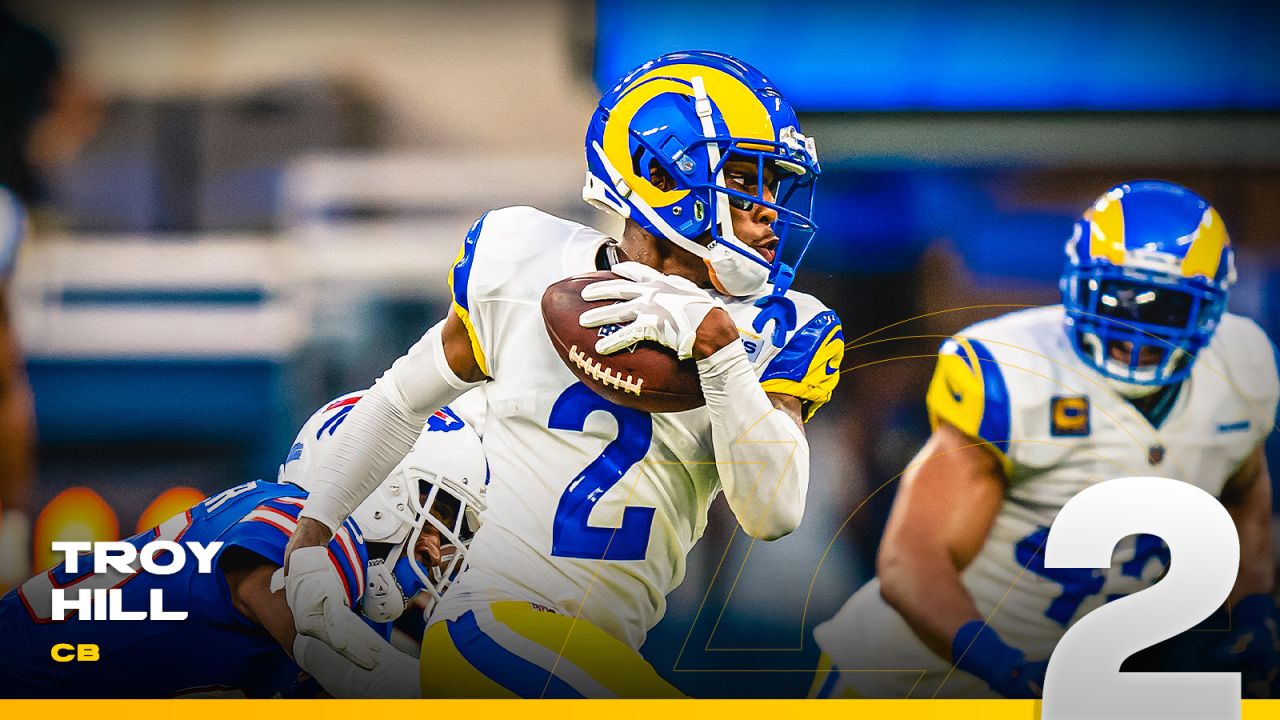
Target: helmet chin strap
[732, 272]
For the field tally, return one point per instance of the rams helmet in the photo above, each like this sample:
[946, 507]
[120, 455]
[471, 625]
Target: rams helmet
[1145, 285]
[686, 114]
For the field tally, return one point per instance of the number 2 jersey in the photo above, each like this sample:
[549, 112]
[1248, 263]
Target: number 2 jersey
[215, 651]
[592, 506]
[1016, 384]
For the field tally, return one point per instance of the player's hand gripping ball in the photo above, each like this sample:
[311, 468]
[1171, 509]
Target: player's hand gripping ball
[642, 374]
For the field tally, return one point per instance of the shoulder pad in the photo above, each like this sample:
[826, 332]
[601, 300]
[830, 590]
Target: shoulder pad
[968, 391]
[1252, 363]
[508, 253]
[808, 366]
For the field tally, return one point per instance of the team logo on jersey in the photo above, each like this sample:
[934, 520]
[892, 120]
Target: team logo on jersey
[444, 420]
[1155, 454]
[1069, 416]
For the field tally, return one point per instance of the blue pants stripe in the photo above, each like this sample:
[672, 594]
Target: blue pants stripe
[829, 684]
[502, 666]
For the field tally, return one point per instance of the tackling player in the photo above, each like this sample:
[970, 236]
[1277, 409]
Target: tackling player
[239, 637]
[593, 507]
[1141, 371]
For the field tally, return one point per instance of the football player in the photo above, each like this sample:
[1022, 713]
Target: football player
[17, 427]
[593, 507]
[238, 638]
[1140, 371]
[46, 115]
[29, 66]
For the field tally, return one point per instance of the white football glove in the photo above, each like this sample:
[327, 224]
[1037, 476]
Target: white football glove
[666, 309]
[319, 604]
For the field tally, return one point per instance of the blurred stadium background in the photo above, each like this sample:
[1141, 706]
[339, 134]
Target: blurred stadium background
[265, 198]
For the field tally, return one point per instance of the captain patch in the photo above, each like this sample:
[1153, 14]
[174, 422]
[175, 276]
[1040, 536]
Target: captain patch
[1069, 416]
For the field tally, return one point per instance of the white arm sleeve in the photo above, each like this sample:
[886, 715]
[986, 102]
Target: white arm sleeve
[395, 677]
[382, 427]
[761, 454]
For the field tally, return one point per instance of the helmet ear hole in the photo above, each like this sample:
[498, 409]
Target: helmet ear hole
[379, 550]
[659, 177]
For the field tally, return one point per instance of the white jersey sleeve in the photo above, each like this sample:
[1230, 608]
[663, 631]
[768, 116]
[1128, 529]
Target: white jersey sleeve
[1246, 361]
[492, 269]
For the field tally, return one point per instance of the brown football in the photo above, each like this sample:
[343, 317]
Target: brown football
[646, 376]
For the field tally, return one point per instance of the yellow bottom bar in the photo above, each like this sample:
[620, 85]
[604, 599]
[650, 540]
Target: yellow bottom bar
[551, 709]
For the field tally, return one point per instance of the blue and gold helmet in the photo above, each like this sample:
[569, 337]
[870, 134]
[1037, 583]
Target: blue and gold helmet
[686, 114]
[1145, 285]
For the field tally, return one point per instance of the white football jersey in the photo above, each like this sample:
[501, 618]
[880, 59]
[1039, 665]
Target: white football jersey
[1016, 383]
[592, 507]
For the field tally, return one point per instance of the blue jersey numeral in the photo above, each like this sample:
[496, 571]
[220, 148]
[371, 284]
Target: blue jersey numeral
[571, 534]
[1079, 584]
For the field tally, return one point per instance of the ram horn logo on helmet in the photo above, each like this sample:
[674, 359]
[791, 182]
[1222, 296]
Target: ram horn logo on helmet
[685, 115]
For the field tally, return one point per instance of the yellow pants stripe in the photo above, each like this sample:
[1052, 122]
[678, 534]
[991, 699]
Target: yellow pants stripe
[514, 649]
[606, 659]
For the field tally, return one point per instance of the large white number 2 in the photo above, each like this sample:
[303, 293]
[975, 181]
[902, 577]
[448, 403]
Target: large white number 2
[1084, 679]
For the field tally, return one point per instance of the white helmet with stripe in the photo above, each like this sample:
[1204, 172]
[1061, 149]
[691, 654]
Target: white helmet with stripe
[445, 471]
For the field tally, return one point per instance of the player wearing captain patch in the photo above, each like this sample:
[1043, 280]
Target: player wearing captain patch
[227, 645]
[1139, 373]
[593, 506]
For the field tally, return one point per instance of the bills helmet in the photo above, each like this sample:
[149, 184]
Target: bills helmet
[445, 472]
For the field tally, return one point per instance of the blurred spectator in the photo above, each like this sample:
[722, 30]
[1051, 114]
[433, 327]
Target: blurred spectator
[44, 116]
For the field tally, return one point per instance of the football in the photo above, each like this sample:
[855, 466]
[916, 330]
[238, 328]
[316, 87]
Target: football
[646, 377]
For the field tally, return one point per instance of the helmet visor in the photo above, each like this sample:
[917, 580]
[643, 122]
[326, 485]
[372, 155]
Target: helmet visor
[1140, 303]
